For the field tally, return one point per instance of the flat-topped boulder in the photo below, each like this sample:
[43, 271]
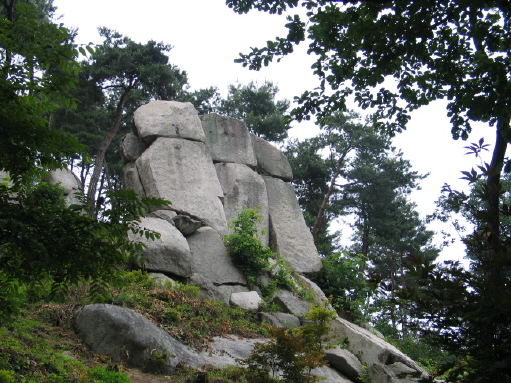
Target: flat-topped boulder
[168, 119]
[228, 139]
[182, 172]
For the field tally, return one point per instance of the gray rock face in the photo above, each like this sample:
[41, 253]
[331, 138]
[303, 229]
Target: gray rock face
[68, 181]
[344, 362]
[223, 352]
[290, 303]
[228, 139]
[209, 258]
[131, 180]
[380, 373]
[166, 215]
[243, 188]
[369, 348]
[290, 236]
[270, 160]
[247, 300]
[127, 336]
[170, 253]
[131, 148]
[182, 172]
[168, 119]
[330, 375]
[280, 319]
[186, 225]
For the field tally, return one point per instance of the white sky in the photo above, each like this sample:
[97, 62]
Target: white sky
[207, 36]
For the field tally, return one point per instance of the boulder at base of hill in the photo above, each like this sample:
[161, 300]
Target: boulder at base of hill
[128, 336]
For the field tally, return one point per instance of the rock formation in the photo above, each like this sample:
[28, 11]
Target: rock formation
[211, 167]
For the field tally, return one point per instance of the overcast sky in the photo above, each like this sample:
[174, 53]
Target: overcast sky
[207, 36]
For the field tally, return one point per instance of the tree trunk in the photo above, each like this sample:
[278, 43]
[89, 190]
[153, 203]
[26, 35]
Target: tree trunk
[318, 223]
[100, 155]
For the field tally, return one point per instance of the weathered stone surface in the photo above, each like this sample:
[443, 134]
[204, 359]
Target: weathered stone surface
[399, 369]
[345, 362]
[270, 160]
[182, 172]
[223, 352]
[330, 375]
[186, 225]
[319, 295]
[290, 303]
[289, 235]
[369, 348]
[210, 258]
[168, 119]
[208, 290]
[228, 139]
[280, 319]
[128, 336]
[68, 181]
[243, 188]
[249, 300]
[131, 180]
[170, 253]
[380, 373]
[161, 279]
[166, 215]
[131, 148]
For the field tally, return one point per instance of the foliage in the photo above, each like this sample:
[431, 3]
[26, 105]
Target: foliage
[342, 278]
[256, 106]
[293, 354]
[38, 238]
[37, 70]
[245, 247]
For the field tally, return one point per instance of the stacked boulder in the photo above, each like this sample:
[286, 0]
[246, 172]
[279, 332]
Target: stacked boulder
[210, 168]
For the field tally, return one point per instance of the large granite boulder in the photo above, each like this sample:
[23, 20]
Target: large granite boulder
[68, 181]
[345, 362]
[228, 139]
[243, 188]
[182, 172]
[369, 348]
[290, 237]
[128, 336]
[208, 290]
[270, 160]
[168, 119]
[168, 254]
[210, 258]
[249, 300]
[228, 351]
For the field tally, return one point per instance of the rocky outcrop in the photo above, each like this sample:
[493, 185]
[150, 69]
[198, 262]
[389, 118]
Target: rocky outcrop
[127, 336]
[210, 168]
